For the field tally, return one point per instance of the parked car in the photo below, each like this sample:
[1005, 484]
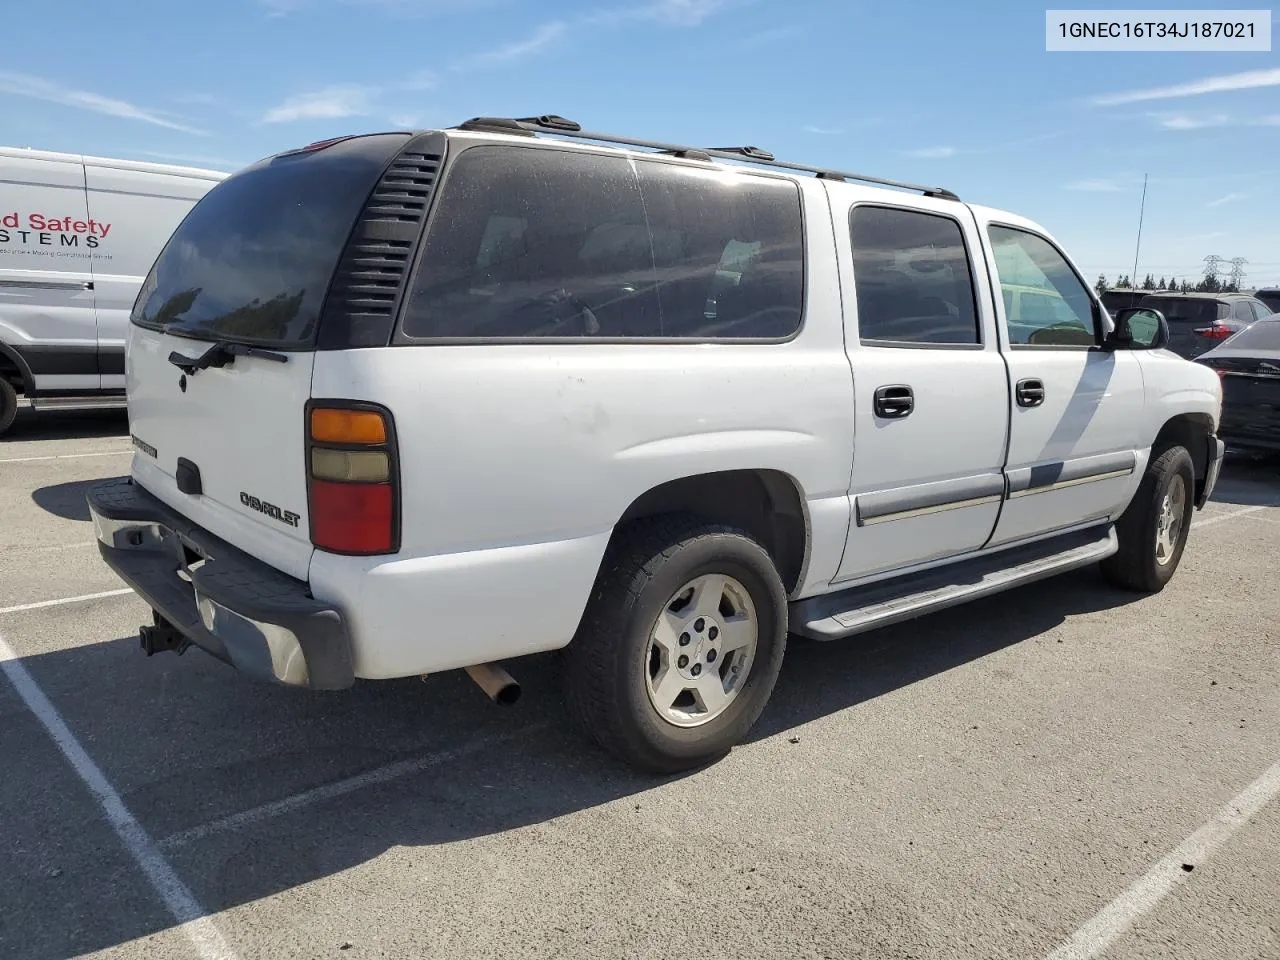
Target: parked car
[1249, 365]
[1116, 299]
[1271, 297]
[406, 403]
[77, 236]
[1200, 321]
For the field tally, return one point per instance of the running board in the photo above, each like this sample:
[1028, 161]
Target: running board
[72, 404]
[833, 616]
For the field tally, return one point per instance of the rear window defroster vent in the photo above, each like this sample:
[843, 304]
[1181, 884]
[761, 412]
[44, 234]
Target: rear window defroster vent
[370, 280]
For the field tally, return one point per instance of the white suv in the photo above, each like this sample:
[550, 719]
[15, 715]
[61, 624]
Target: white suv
[405, 403]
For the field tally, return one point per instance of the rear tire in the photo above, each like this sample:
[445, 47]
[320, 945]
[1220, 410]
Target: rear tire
[8, 404]
[680, 644]
[1153, 529]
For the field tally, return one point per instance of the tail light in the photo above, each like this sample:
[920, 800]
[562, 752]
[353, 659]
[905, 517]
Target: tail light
[1219, 331]
[352, 478]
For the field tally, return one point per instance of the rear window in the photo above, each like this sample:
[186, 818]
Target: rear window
[253, 259]
[1178, 309]
[1263, 335]
[545, 243]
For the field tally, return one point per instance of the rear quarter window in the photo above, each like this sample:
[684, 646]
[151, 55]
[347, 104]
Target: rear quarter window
[545, 243]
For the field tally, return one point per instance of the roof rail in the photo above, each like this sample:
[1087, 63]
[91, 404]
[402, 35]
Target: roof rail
[553, 125]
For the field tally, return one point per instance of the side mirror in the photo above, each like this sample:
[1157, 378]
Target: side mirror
[1139, 328]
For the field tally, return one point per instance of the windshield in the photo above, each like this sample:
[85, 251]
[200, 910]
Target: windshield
[253, 259]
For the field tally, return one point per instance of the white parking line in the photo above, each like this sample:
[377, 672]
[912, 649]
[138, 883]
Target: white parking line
[1219, 517]
[193, 920]
[67, 456]
[57, 603]
[1120, 914]
[392, 771]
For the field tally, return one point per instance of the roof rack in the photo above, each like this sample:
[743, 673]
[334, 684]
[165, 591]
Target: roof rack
[558, 126]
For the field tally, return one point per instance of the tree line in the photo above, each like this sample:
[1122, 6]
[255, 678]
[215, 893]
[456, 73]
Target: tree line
[1206, 285]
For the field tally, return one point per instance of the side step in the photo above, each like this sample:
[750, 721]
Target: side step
[111, 401]
[833, 616]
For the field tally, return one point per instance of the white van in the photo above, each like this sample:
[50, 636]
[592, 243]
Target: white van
[77, 236]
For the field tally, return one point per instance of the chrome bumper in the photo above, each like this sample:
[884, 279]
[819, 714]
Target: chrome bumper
[242, 611]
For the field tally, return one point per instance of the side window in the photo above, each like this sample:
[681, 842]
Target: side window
[1242, 311]
[530, 242]
[912, 278]
[1045, 302]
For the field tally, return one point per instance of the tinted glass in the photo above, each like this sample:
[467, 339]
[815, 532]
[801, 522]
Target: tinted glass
[1263, 335]
[1241, 310]
[253, 259]
[1188, 309]
[533, 242]
[1271, 298]
[911, 278]
[1045, 302]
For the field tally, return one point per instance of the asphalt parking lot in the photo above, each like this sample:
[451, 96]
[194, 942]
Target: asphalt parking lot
[1060, 771]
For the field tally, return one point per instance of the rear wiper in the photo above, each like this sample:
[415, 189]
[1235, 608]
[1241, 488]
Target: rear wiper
[223, 353]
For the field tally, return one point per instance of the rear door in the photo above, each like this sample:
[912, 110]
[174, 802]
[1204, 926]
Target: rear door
[1076, 408]
[931, 397]
[132, 210]
[46, 284]
[250, 265]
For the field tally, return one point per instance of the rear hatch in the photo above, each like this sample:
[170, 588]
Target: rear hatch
[1249, 365]
[221, 344]
[1191, 323]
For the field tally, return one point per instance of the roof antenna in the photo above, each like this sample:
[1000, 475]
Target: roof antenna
[1141, 210]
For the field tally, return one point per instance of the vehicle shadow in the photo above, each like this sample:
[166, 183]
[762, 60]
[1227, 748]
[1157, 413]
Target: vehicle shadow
[65, 500]
[186, 742]
[45, 425]
[1249, 481]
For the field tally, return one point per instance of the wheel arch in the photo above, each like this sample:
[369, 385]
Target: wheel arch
[15, 369]
[767, 504]
[1192, 431]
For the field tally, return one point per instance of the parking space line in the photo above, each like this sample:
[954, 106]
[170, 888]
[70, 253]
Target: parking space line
[192, 919]
[1219, 517]
[40, 605]
[67, 456]
[338, 788]
[1093, 939]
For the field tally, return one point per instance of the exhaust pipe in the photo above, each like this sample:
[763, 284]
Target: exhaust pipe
[498, 685]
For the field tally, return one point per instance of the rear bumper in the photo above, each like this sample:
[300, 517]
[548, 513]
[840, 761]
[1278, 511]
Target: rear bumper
[1213, 467]
[244, 612]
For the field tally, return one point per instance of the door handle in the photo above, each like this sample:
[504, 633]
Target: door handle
[1029, 393]
[894, 402]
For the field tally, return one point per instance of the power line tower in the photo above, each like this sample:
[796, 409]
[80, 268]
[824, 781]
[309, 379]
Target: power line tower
[1237, 272]
[1211, 266]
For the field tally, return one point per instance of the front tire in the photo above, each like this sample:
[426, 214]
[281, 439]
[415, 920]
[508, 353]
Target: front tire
[8, 404]
[1153, 529]
[680, 644]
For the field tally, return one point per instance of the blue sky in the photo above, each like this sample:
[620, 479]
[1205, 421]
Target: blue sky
[962, 95]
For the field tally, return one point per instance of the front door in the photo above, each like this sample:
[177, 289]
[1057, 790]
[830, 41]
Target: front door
[1076, 408]
[46, 285]
[931, 399]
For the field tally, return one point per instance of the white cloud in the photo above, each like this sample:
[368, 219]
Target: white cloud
[933, 153]
[37, 88]
[330, 103]
[1097, 185]
[1187, 122]
[821, 131]
[535, 43]
[196, 159]
[672, 13]
[1229, 198]
[1271, 121]
[1249, 80]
